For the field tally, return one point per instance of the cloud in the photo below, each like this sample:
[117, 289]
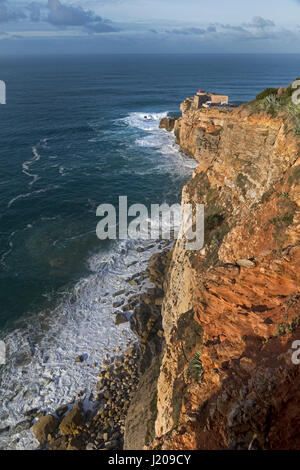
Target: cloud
[258, 28]
[69, 15]
[68, 19]
[103, 26]
[187, 31]
[212, 29]
[236, 28]
[34, 11]
[7, 14]
[62, 15]
[260, 23]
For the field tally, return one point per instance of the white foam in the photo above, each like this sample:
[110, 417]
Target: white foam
[11, 245]
[147, 142]
[174, 161]
[138, 120]
[32, 193]
[27, 165]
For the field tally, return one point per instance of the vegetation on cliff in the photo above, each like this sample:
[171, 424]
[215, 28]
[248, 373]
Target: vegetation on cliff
[278, 101]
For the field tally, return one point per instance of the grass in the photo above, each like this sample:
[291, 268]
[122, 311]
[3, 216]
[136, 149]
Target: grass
[267, 92]
[272, 103]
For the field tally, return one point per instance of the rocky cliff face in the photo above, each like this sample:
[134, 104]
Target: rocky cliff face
[231, 311]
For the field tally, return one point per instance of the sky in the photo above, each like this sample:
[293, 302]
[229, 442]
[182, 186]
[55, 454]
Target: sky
[149, 26]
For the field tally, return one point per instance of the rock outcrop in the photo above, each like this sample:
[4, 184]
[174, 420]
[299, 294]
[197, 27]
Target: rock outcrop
[72, 420]
[44, 426]
[231, 311]
[167, 123]
[146, 322]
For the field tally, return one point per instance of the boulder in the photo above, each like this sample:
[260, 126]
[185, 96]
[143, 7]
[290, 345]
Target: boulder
[90, 446]
[167, 123]
[61, 410]
[59, 443]
[158, 266]
[245, 263]
[75, 444]
[119, 292]
[80, 358]
[45, 425]
[72, 420]
[121, 318]
[112, 445]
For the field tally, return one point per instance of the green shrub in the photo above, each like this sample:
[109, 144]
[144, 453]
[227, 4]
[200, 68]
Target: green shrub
[287, 328]
[196, 370]
[267, 92]
[213, 221]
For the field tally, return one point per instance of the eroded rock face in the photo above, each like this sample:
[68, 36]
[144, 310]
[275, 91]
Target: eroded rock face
[72, 420]
[232, 310]
[167, 123]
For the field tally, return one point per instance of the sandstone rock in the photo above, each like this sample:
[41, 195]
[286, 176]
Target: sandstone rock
[75, 444]
[61, 410]
[72, 420]
[126, 308]
[32, 413]
[80, 358]
[120, 292]
[44, 426]
[121, 318]
[59, 443]
[115, 436]
[90, 446]
[245, 263]
[111, 445]
[167, 123]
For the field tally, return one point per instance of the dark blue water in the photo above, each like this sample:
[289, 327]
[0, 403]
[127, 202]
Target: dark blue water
[73, 136]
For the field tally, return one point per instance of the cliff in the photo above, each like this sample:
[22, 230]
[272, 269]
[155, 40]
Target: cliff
[231, 312]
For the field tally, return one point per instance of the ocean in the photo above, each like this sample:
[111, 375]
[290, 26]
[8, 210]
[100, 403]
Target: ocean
[73, 136]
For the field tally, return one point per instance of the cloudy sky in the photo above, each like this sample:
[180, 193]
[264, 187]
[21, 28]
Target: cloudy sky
[149, 26]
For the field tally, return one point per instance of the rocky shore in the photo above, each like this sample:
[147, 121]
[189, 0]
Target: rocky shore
[99, 422]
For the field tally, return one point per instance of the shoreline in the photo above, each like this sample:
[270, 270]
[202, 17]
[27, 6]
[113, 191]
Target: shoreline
[98, 422]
